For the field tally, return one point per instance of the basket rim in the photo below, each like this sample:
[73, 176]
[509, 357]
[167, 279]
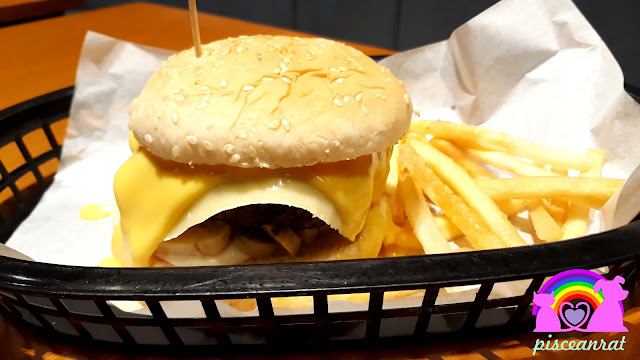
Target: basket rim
[347, 276]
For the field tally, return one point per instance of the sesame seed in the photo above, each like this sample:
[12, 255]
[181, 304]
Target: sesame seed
[384, 97]
[179, 98]
[229, 148]
[342, 68]
[276, 70]
[207, 145]
[239, 49]
[202, 106]
[327, 151]
[287, 60]
[252, 151]
[286, 79]
[347, 98]
[234, 158]
[210, 124]
[267, 78]
[274, 125]
[241, 134]
[148, 138]
[340, 80]
[337, 102]
[364, 109]
[175, 151]
[192, 139]
[406, 97]
[359, 97]
[247, 88]
[286, 125]
[204, 87]
[176, 91]
[223, 84]
[334, 70]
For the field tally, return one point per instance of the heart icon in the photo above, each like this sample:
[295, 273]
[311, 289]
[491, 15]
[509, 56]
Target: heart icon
[574, 316]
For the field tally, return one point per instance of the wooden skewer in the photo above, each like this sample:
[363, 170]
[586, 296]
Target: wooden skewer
[195, 28]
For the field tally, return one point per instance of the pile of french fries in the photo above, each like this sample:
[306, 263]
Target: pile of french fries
[444, 199]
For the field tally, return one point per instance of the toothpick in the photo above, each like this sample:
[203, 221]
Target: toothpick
[195, 28]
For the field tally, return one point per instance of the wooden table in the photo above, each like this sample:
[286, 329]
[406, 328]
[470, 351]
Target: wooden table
[41, 57]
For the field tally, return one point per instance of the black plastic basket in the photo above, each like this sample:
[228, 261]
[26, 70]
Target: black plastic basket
[72, 302]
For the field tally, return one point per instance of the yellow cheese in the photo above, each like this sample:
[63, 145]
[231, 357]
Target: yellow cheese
[110, 261]
[160, 199]
[94, 212]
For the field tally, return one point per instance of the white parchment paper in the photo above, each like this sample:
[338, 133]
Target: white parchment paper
[535, 69]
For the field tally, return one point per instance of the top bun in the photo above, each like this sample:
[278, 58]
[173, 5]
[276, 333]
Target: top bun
[270, 101]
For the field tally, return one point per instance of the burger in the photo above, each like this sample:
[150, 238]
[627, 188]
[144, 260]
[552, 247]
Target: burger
[263, 149]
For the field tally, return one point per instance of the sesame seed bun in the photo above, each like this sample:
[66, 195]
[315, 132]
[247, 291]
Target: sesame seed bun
[270, 101]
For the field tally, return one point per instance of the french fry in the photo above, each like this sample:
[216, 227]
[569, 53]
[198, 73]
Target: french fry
[397, 209]
[464, 218]
[449, 231]
[523, 168]
[509, 207]
[460, 182]
[395, 200]
[523, 224]
[475, 171]
[392, 178]
[545, 226]
[446, 227]
[509, 163]
[592, 192]
[405, 238]
[577, 221]
[557, 208]
[481, 138]
[420, 217]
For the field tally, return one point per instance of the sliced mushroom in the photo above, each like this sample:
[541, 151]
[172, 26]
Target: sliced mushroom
[307, 235]
[255, 246]
[211, 238]
[285, 237]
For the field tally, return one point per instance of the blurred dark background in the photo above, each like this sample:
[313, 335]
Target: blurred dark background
[404, 24]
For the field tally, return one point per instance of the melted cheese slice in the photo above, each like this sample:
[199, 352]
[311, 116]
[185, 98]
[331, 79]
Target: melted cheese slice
[160, 199]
